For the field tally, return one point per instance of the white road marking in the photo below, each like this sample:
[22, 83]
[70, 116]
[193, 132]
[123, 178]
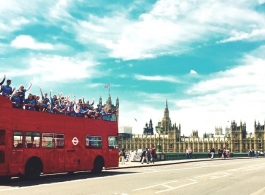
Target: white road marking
[154, 185]
[220, 176]
[167, 186]
[176, 187]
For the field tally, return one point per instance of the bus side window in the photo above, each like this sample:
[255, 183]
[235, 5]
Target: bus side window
[52, 140]
[59, 141]
[47, 140]
[18, 140]
[32, 140]
[113, 142]
[93, 142]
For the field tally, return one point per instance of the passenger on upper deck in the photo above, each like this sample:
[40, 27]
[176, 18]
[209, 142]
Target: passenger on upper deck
[37, 98]
[83, 111]
[103, 111]
[63, 106]
[71, 112]
[15, 99]
[30, 103]
[7, 89]
[44, 98]
[56, 108]
[91, 112]
[98, 110]
[77, 108]
[53, 99]
[40, 106]
[88, 106]
[21, 93]
[48, 108]
[79, 102]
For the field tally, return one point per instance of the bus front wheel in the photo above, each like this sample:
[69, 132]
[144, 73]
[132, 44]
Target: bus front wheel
[98, 165]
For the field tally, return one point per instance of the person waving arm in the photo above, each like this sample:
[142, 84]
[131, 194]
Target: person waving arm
[3, 80]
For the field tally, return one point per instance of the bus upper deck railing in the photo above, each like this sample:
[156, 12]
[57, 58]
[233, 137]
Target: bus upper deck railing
[106, 116]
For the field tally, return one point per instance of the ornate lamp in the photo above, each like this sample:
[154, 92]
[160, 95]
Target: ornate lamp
[159, 130]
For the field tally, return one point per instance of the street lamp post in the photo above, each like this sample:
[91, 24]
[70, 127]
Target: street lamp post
[159, 130]
[250, 141]
[261, 143]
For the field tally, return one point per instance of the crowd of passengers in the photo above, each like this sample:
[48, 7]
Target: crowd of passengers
[57, 105]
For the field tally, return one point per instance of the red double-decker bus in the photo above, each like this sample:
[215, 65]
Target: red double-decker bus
[33, 142]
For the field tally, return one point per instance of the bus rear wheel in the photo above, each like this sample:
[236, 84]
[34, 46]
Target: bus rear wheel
[32, 170]
[98, 165]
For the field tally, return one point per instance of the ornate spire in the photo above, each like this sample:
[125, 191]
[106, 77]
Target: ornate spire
[150, 123]
[100, 100]
[166, 112]
[166, 122]
[117, 102]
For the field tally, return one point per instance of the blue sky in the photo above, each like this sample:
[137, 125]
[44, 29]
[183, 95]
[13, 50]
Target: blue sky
[206, 58]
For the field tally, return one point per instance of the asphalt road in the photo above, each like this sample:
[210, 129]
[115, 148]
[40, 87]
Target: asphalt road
[240, 176]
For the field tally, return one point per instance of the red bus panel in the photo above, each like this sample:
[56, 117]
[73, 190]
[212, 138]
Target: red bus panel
[52, 143]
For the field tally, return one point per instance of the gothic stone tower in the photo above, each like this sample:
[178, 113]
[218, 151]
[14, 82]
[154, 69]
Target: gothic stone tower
[237, 134]
[173, 131]
[148, 129]
[166, 122]
[110, 106]
[218, 131]
[259, 135]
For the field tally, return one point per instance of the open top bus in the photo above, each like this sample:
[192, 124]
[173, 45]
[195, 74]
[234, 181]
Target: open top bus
[34, 142]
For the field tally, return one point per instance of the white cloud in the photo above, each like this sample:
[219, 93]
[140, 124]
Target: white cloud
[193, 72]
[95, 85]
[59, 10]
[157, 78]
[257, 34]
[54, 68]
[27, 42]
[167, 27]
[19, 21]
[170, 27]
[236, 94]
[241, 78]
[13, 16]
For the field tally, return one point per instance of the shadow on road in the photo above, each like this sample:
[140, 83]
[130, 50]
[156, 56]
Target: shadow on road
[57, 178]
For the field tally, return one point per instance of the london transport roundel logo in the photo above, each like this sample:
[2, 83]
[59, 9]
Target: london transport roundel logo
[75, 141]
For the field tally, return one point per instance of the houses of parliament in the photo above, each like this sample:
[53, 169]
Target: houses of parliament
[168, 137]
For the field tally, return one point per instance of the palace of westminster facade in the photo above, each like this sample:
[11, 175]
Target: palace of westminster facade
[169, 138]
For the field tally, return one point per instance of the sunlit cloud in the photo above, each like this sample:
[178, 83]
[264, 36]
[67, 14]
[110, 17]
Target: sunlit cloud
[193, 72]
[258, 34]
[157, 78]
[171, 27]
[27, 42]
